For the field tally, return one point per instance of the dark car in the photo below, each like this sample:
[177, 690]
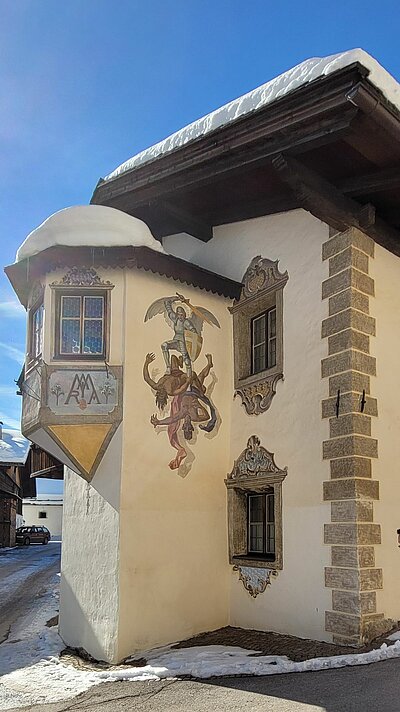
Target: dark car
[32, 535]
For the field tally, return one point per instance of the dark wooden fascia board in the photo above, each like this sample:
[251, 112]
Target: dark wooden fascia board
[304, 106]
[326, 202]
[23, 274]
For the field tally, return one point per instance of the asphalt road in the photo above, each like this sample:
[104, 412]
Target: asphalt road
[24, 572]
[367, 688]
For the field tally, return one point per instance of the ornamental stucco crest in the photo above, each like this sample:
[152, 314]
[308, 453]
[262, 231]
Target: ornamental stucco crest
[254, 580]
[255, 461]
[82, 277]
[262, 274]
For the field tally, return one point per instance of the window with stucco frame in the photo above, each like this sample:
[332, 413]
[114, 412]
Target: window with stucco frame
[254, 472]
[262, 294]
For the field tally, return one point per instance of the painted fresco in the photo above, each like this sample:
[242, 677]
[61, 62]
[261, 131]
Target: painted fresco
[181, 387]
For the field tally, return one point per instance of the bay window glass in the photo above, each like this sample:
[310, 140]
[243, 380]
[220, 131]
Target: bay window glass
[81, 320]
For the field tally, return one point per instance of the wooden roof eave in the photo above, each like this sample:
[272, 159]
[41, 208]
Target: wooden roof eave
[301, 107]
[23, 274]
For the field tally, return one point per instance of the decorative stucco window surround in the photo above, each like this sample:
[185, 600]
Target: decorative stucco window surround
[81, 283]
[254, 472]
[262, 292]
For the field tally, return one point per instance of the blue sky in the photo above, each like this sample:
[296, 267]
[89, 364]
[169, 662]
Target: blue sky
[85, 84]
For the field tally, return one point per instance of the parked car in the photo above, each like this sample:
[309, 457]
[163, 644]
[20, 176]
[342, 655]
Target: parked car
[32, 535]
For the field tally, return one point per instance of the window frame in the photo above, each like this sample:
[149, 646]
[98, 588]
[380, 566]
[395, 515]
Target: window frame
[255, 472]
[37, 304]
[262, 292]
[80, 292]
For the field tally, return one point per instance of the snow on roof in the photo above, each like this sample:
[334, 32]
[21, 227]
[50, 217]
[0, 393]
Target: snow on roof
[303, 73]
[44, 499]
[14, 448]
[88, 226]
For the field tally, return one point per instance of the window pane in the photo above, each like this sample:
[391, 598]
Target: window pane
[256, 523]
[270, 543]
[272, 353]
[256, 538]
[270, 508]
[37, 331]
[259, 358]
[272, 322]
[93, 336]
[259, 330]
[70, 336]
[94, 307]
[71, 306]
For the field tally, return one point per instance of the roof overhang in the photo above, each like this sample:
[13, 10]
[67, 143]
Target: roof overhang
[331, 147]
[23, 274]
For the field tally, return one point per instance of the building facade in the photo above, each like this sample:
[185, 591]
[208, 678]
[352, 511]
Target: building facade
[46, 511]
[213, 346]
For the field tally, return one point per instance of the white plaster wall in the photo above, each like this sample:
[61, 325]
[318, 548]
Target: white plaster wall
[292, 428]
[89, 594]
[53, 520]
[385, 269]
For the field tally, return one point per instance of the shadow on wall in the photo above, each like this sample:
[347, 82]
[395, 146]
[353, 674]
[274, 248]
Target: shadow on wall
[76, 631]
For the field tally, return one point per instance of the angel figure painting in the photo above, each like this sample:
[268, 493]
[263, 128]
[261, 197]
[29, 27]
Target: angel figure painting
[180, 386]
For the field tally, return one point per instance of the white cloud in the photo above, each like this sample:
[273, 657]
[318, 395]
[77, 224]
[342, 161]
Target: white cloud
[8, 391]
[11, 309]
[12, 353]
[10, 422]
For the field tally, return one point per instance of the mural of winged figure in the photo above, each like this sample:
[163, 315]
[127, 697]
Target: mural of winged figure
[189, 404]
[187, 339]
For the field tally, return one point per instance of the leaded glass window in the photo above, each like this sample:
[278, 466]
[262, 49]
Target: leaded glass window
[37, 318]
[81, 325]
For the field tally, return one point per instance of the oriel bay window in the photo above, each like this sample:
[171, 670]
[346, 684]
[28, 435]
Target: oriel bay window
[81, 325]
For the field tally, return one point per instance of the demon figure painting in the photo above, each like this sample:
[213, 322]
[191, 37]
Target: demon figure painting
[183, 390]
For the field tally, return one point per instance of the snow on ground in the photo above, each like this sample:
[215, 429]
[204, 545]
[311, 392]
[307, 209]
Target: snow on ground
[33, 672]
[307, 71]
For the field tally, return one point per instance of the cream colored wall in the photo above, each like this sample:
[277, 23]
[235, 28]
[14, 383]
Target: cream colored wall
[89, 591]
[53, 520]
[116, 277]
[385, 269]
[174, 571]
[89, 598]
[292, 428]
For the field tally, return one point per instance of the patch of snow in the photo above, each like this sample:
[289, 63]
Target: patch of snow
[302, 74]
[34, 673]
[88, 226]
[394, 636]
[14, 448]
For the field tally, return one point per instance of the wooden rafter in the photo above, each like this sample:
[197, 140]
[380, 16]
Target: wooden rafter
[329, 204]
[371, 182]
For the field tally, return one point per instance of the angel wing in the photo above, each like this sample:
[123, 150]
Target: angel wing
[158, 307]
[200, 315]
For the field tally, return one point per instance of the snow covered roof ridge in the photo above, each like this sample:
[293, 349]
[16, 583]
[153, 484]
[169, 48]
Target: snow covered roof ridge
[302, 74]
[88, 226]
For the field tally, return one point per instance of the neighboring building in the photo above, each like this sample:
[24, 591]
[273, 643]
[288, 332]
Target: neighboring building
[44, 510]
[14, 451]
[166, 375]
